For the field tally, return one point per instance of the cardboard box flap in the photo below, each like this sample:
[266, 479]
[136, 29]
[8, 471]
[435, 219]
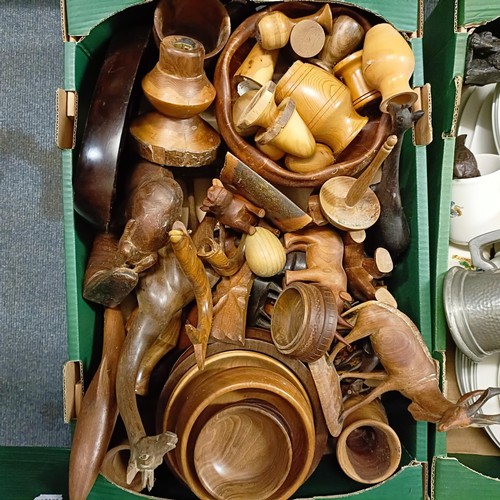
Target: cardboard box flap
[78, 17]
[66, 111]
[72, 389]
[422, 129]
[472, 13]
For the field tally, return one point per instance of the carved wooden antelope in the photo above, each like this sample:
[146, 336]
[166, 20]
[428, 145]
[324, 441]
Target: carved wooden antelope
[410, 369]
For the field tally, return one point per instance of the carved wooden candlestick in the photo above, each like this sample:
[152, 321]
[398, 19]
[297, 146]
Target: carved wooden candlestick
[274, 29]
[349, 70]
[179, 90]
[323, 102]
[282, 126]
[348, 203]
[388, 63]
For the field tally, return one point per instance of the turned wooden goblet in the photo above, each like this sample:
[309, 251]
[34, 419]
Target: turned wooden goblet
[282, 126]
[349, 70]
[388, 63]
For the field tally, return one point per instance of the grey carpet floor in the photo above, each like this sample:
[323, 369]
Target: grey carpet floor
[32, 299]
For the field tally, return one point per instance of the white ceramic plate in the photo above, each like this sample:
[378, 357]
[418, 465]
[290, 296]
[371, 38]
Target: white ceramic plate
[482, 140]
[473, 376]
[466, 93]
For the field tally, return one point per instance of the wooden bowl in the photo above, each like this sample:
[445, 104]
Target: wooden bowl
[211, 394]
[205, 20]
[243, 451]
[257, 340]
[352, 160]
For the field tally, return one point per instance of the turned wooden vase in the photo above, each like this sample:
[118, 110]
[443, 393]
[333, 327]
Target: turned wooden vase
[323, 102]
[368, 449]
[388, 63]
[178, 86]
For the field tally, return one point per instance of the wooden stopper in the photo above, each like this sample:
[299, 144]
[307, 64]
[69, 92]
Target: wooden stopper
[307, 38]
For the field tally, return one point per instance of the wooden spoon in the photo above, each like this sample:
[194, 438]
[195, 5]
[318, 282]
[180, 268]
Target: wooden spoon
[349, 203]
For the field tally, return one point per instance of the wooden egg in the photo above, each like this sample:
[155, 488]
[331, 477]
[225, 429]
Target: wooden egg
[264, 253]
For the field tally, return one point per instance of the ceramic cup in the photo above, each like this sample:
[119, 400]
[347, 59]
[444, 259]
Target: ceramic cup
[475, 202]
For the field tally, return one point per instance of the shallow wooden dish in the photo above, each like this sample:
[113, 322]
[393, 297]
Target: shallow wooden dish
[243, 451]
[351, 161]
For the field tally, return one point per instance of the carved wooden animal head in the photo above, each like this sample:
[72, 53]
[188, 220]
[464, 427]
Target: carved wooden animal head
[402, 117]
[466, 415]
[217, 200]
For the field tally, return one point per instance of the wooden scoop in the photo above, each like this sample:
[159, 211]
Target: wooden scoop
[349, 203]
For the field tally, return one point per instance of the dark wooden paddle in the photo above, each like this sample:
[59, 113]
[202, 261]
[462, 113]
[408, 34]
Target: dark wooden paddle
[106, 128]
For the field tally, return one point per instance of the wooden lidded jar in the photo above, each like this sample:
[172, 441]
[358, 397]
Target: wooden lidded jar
[323, 102]
[388, 63]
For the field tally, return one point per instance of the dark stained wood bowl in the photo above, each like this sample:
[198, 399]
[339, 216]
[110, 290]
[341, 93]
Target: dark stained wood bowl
[351, 161]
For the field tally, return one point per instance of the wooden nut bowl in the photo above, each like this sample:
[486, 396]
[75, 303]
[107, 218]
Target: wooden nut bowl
[257, 341]
[236, 385]
[243, 451]
[351, 161]
[206, 20]
[304, 321]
